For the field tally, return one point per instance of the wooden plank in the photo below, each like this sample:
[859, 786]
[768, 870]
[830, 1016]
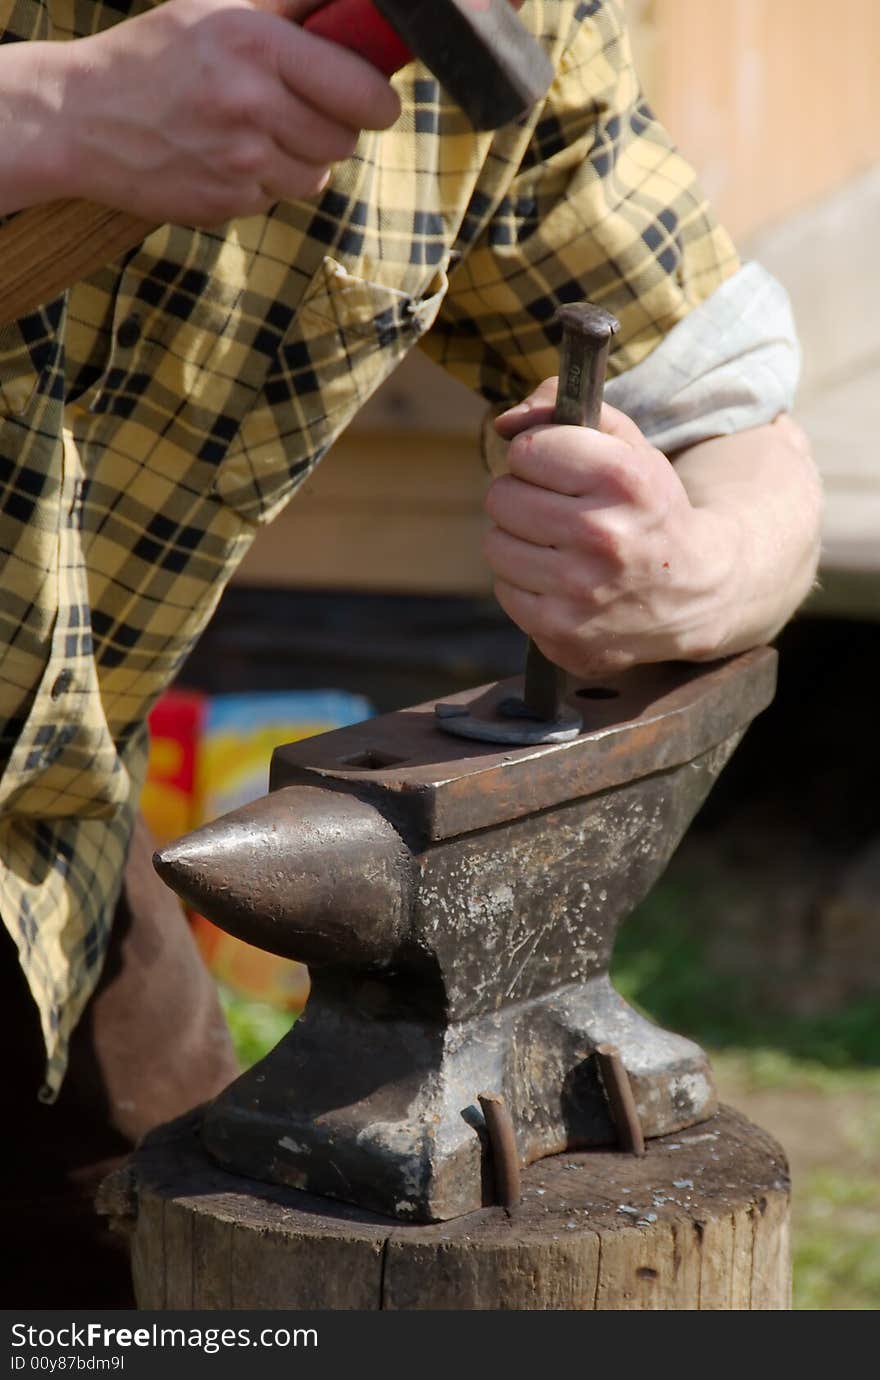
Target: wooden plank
[48, 248]
[389, 471]
[338, 552]
[383, 512]
[826, 257]
[770, 111]
[422, 398]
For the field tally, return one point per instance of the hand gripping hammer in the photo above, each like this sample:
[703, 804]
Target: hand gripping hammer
[477, 49]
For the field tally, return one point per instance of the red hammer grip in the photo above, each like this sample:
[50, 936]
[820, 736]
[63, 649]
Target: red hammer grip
[358, 25]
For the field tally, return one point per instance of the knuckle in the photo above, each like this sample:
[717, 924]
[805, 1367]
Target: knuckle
[246, 158]
[236, 103]
[577, 585]
[618, 483]
[630, 480]
[521, 454]
[611, 546]
[241, 35]
[598, 538]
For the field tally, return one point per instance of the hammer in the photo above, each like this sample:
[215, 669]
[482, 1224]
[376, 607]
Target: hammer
[478, 50]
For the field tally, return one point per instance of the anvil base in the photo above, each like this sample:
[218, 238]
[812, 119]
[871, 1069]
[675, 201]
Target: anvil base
[415, 1144]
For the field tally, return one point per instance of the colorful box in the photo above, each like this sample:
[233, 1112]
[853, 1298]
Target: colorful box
[211, 755]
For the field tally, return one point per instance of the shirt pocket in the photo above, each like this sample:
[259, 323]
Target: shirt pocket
[348, 335]
[28, 350]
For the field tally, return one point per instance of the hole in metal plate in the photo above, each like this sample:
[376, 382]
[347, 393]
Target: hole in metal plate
[372, 760]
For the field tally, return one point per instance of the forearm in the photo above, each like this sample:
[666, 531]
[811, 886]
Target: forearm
[32, 127]
[195, 111]
[761, 489]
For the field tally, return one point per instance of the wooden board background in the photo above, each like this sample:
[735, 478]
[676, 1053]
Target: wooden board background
[775, 101]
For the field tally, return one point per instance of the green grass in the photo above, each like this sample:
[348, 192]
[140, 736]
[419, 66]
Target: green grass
[661, 967]
[255, 1026]
[837, 1243]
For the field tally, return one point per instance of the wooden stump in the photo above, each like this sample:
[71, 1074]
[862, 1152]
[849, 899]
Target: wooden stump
[700, 1222]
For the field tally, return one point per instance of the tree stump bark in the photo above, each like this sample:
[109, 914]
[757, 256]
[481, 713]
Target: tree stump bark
[700, 1222]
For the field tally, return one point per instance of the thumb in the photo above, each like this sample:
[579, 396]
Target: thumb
[536, 410]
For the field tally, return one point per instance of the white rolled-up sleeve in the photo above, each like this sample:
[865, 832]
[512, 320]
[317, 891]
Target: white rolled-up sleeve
[732, 363]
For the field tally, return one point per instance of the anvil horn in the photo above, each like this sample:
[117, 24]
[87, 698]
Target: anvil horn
[306, 873]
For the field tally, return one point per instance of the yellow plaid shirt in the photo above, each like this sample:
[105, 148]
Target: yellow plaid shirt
[156, 415]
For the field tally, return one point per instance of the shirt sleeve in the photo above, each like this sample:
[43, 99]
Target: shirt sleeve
[602, 206]
[732, 363]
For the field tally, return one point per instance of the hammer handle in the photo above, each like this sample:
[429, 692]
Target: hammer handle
[48, 248]
[358, 26]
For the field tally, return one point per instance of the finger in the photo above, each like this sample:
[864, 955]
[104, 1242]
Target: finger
[535, 410]
[336, 81]
[521, 564]
[521, 605]
[584, 655]
[291, 178]
[300, 131]
[539, 407]
[536, 515]
[571, 460]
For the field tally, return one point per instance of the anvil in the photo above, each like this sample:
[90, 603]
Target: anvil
[457, 904]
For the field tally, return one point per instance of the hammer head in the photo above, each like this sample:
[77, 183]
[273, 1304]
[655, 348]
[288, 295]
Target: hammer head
[478, 50]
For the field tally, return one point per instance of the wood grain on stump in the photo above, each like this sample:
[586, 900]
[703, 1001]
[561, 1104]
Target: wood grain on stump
[700, 1222]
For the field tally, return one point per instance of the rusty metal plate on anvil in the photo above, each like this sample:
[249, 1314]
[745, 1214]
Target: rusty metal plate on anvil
[433, 787]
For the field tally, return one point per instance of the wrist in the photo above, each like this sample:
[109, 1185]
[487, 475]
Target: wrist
[718, 604]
